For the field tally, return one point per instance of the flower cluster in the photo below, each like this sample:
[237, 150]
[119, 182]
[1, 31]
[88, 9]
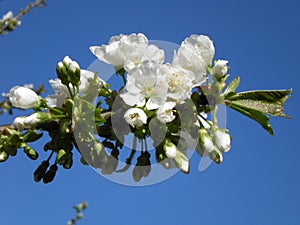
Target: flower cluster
[156, 90]
[8, 23]
[174, 104]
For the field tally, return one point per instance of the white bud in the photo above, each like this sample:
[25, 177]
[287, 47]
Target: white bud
[8, 16]
[31, 120]
[170, 149]
[220, 69]
[60, 65]
[18, 123]
[205, 141]
[73, 66]
[222, 140]
[182, 162]
[67, 60]
[22, 97]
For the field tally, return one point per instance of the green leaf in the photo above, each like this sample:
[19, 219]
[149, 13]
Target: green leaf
[267, 101]
[232, 87]
[254, 114]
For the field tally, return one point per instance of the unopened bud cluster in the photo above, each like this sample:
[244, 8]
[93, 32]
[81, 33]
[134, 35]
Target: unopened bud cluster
[8, 23]
[213, 142]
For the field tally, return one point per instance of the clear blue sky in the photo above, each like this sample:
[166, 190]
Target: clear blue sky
[258, 182]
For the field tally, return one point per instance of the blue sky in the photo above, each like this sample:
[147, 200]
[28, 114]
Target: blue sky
[258, 182]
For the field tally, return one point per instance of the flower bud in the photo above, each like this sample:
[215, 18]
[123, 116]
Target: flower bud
[23, 98]
[36, 119]
[49, 176]
[80, 207]
[66, 61]
[162, 158]
[7, 16]
[69, 104]
[73, 70]
[62, 73]
[182, 162]
[170, 149]
[220, 69]
[222, 139]
[40, 172]
[61, 157]
[18, 123]
[69, 162]
[30, 152]
[3, 156]
[135, 117]
[205, 141]
[216, 156]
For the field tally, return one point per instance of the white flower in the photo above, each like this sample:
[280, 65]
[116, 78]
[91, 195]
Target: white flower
[180, 82]
[22, 97]
[222, 140]
[139, 55]
[135, 117]
[128, 51]
[195, 54]
[119, 48]
[145, 85]
[188, 59]
[61, 93]
[165, 112]
[86, 77]
[220, 69]
[203, 47]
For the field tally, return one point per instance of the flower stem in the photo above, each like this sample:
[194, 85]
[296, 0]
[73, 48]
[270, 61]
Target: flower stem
[214, 115]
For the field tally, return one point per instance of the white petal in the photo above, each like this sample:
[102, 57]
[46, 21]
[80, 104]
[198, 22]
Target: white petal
[132, 100]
